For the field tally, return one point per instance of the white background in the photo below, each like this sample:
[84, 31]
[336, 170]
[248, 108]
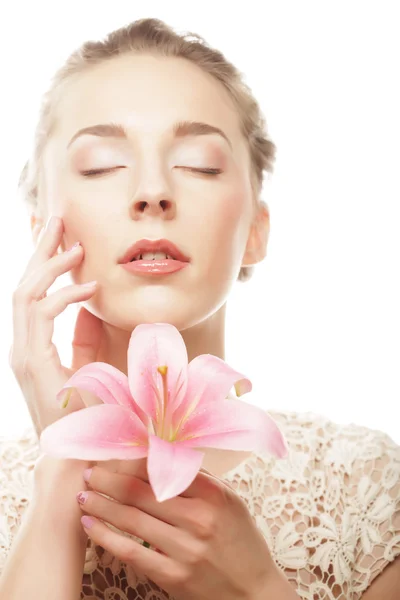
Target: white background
[318, 328]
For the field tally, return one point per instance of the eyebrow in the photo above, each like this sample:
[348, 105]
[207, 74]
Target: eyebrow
[179, 130]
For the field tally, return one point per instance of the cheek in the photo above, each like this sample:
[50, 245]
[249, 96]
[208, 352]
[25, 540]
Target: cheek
[232, 209]
[78, 223]
[64, 202]
[88, 222]
[230, 223]
[94, 230]
[221, 239]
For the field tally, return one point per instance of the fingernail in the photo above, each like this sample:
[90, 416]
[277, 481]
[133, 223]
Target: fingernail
[82, 497]
[90, 284]
[73, 247]
[86, 474]
[87, 522]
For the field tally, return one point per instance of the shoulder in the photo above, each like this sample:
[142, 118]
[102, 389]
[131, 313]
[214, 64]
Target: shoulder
[18, 455]
[334, 502]
[340, 446]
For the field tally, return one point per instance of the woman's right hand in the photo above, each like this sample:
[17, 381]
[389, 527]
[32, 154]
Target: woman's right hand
[34, 358]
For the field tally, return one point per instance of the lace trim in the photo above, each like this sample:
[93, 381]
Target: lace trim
[330, 512]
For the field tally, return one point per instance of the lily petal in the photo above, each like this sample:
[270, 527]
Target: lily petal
[101, 432]
[171, 468]
[209, 380]
[152, 346]
[232, 424]
[104, 381]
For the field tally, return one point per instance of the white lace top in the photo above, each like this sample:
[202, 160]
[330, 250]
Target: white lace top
[330, 512]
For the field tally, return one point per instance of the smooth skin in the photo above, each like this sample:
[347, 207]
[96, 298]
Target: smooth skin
[35, 312]
[150, 187]
[203, 537]
[34, 358]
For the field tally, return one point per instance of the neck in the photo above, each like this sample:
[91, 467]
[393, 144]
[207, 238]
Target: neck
[207, 337]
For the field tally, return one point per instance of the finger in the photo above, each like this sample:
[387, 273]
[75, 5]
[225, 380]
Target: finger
[133, 491]
[86, 343]
[43, 375]
[33, 288]
[46, 247]
[157, 567]
[137, 468]
[38, 237]
[218, 479]
[129, 519]
[87, 339]
[43, 314]
[127, 491]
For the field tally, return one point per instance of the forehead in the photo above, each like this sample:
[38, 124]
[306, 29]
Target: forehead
[145, 93]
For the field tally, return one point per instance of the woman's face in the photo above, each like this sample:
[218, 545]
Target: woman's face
[151, 191]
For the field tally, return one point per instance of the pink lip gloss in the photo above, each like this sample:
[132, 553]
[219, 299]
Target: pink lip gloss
[154, 267]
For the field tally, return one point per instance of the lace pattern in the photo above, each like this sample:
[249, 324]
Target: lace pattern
[330, 512]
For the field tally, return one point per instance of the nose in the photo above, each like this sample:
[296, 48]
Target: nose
[156, 204]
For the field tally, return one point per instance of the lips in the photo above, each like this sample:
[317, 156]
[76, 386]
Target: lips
[144, 245]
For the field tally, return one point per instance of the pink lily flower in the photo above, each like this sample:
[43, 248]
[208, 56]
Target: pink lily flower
[164, 409]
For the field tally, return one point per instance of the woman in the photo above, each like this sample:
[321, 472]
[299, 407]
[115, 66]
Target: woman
[152, 135]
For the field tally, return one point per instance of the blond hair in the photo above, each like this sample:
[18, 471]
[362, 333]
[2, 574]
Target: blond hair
[155, 37]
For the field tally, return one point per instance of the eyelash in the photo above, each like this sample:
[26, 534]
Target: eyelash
[94, 172]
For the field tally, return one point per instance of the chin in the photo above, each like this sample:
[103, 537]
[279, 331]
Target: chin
[126, 315]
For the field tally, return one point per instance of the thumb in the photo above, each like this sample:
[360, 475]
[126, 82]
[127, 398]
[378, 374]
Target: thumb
[88, 335]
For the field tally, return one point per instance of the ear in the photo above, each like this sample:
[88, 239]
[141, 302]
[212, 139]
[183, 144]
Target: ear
[256, 247]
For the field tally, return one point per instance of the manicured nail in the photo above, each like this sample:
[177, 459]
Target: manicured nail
[82, 497]
[87, 522]
[76, 245]
[86, 474]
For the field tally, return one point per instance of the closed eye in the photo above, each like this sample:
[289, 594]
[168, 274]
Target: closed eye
[94, 172]
[208, 171]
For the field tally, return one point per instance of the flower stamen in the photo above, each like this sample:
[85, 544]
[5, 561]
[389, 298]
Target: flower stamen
[163, 370]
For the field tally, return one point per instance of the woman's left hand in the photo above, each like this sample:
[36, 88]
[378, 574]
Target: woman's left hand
[206, 544]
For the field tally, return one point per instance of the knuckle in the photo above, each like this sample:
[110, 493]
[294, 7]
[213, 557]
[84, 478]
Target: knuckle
[27, 366]
[223, 496]
[23, 293]
[178, 575]
[35, 309]
[205, 527]
[129, 551]
[196, 553]
[94, 474]
[12, 359]
[100, 473]
[38, 309]
[201, 521]
[129, 488]
[193, 515]
[16, 367]
[30, 366]
[18, 295]
[23, 367]
[42, 309]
